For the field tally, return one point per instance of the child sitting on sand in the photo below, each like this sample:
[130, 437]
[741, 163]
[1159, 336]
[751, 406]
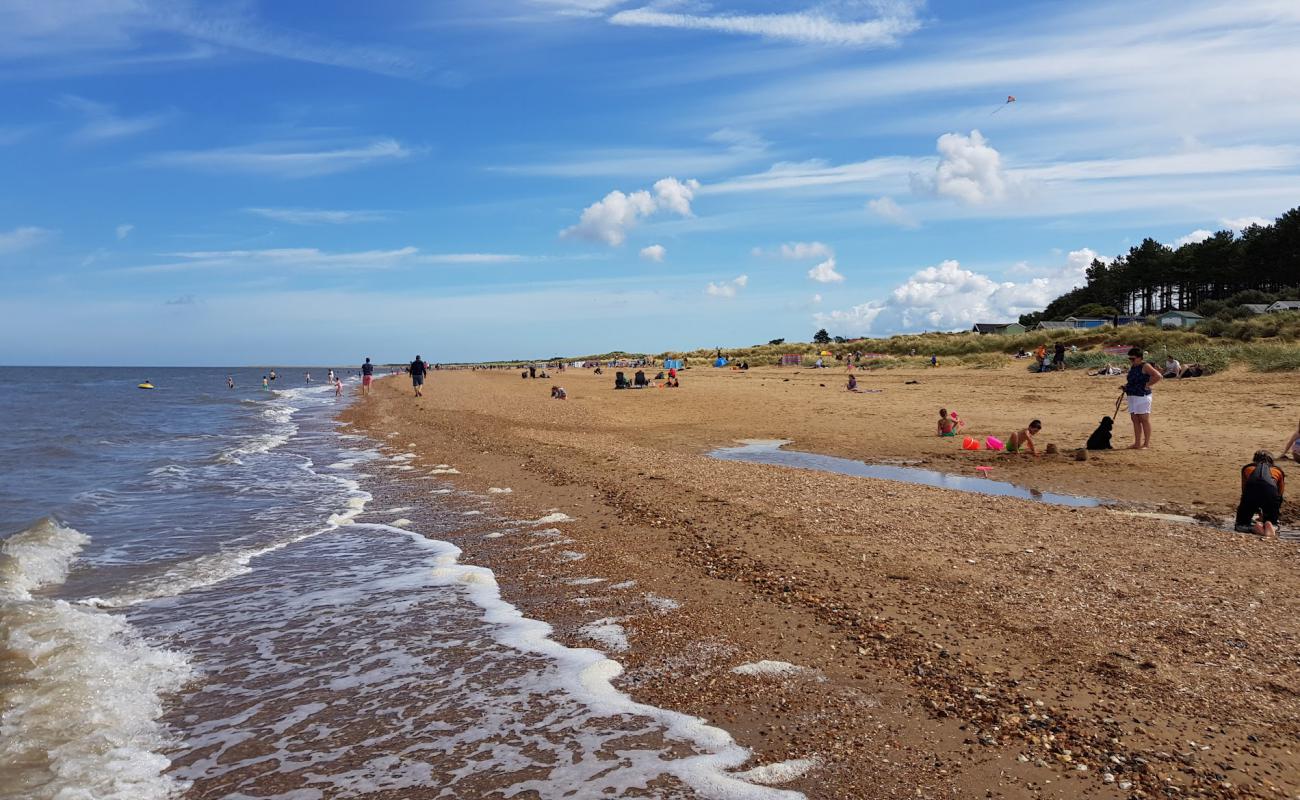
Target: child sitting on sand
[853, 384]
[558, 393]
[1262, 487]
[1292, 447]
[1024, 439]
[948, 425]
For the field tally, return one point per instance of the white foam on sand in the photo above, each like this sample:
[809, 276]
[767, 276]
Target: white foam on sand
[400, 523]
[608, 632]
[767, 668]
[587, 675]
[470, 513]
[571, 555]
[444, 470]
[780, 772]
[662, 603]
[552, 518]
[493, 535]
[81, 721]
[584, 581]
[499, 490]
[623, 585]
[441, 491]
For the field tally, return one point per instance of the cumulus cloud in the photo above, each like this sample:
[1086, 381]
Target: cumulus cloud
[123, 231]
[727, 288]
[654, 252]
[609, 219]
[890, 211]
[1195, 237]
[825, 272]
[849, 23]
[802, 250]
[1242, 223]
[949, 297]
[22, 238]
[969, 171]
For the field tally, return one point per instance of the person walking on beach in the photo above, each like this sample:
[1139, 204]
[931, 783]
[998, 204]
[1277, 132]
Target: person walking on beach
[417, 375]
[367, 376]
[1137, 388]
[1262, 487]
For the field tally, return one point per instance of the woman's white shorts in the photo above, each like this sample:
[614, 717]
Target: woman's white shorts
[1139, 404]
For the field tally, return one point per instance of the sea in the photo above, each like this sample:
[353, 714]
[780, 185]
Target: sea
[203, 595]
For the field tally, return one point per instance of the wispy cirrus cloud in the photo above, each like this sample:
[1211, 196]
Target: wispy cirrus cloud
[874, 23]
[729, 149]
[283, 259]
[318, 216]
[69, 33]
[103, 123]
[286, 159]
[23, 238]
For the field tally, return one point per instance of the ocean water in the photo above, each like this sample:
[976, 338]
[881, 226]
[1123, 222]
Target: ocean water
[199, 598]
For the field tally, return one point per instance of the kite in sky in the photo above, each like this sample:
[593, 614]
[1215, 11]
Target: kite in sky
[1011, 98]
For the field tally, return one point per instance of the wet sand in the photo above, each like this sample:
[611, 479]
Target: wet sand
[951, 643]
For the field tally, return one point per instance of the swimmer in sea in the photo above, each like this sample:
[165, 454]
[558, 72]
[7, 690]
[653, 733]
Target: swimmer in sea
[230, 382]
[265, 383]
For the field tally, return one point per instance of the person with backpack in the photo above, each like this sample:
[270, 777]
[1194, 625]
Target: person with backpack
[1262, 486]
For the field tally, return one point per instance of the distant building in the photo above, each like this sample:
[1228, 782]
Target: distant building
[1129, 320]
[1285, 305]
[1179, 319]
[1001, 328]
[1256, 308]
[1087, 322]
[1054, 325]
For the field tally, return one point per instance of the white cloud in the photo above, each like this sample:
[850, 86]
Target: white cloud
[729, 150]
[317, 216]
[727, 288]
[862, 24]
[948, 297]
[22, 238]
[123, 231]
[825, 272]
[311, 258]
[654, 252]
[890, 211]
[802, 250]
[609, 219]
[1242, 223]
[286, 160]
[104, 123]
[83, 36]
[1196, 236]
[816, 298]
[969, 171]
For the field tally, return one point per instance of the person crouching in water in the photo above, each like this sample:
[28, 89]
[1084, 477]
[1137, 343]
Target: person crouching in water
[1262, 487]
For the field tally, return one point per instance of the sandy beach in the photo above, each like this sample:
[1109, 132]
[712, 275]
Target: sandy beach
[935, 642]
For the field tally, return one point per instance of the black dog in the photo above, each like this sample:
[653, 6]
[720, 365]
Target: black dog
[1100, 438]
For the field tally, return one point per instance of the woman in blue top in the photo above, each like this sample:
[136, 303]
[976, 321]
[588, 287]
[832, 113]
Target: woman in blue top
[1137, 388]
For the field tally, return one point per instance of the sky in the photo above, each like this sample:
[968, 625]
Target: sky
[315, 182]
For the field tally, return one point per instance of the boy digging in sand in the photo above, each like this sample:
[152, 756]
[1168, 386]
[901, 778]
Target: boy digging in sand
[1024, 439]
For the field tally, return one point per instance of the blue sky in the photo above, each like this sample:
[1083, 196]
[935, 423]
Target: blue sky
[245, 182]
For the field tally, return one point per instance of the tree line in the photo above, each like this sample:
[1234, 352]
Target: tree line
[1259, 264]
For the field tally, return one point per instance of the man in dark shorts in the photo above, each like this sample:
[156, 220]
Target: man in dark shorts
[367, 376]
[417, 375]
[1058, 357]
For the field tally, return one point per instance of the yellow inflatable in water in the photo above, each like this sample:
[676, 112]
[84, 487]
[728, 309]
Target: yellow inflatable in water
[145, 385]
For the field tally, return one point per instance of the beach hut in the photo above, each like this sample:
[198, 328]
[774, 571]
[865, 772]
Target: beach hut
[1053, 325]
[998, 328]
[1284, 305]
[791, 360]
[1179, 319]
[1256, 308]
[1086, 322]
